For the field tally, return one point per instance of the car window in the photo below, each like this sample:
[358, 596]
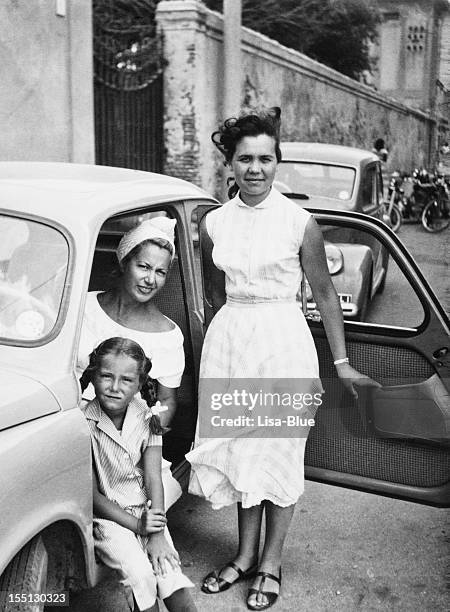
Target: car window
[313, 179]
[370, 285]
[33, 266]
[380, 186]
[370, 188]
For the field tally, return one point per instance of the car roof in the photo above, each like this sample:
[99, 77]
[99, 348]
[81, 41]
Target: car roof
[57, 190]
[326, 153]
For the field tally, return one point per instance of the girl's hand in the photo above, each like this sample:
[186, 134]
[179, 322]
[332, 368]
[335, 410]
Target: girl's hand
[151, 521]
[161, 553]
[352, 379]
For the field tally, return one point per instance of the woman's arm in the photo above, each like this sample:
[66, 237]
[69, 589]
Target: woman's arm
[314, 263]
[214, 278]
[168, 397]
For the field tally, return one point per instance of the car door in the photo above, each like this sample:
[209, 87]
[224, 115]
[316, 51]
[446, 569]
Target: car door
[394, 441]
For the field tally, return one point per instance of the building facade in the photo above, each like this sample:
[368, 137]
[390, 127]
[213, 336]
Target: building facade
[412, 51]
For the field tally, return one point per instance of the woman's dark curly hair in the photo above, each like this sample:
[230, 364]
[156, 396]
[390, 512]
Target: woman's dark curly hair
[232, 131]
[122, 346]
[235, 128]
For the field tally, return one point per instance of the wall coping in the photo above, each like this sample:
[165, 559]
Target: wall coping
[169, 12]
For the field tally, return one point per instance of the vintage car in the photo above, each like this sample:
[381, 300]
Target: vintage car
[60, 225]
[334, 177]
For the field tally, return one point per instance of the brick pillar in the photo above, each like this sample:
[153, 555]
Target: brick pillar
[190, 101]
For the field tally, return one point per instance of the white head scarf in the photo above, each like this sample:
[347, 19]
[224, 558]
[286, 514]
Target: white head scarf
[157, 227]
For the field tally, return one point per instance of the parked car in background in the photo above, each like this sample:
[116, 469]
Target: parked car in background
[60, 225]
[334, 177]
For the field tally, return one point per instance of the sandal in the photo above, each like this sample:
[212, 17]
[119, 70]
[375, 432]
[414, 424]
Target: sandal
[223, 584]
[271, 596]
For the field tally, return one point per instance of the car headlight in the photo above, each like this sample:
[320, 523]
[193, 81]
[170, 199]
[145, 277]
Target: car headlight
[335, 259]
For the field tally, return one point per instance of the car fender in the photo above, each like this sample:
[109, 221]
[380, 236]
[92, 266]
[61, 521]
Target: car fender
[45, 488]
[356, 272]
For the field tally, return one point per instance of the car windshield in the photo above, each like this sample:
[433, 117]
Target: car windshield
[313, 179]
[33, 266]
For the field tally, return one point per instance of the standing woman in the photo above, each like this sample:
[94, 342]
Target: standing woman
[145, 255]
[261, 242]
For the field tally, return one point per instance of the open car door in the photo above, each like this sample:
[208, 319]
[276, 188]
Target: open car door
[393, 441]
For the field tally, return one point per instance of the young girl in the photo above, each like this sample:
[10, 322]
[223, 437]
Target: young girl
[130, 530]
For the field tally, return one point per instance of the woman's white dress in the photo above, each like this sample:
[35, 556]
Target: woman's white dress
[259, 333]
[164, 349]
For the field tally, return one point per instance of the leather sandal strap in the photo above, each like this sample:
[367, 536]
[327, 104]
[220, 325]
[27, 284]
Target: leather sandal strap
[265, 575]
[235, 568]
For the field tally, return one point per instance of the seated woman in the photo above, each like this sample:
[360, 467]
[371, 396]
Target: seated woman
[145, 255]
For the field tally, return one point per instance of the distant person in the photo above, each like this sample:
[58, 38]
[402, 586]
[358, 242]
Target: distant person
[380, 149]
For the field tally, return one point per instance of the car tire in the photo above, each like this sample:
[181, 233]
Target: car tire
[27, 574]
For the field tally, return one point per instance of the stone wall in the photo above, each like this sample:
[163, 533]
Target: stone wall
[46, 102]
[444, 69]
[318, 103]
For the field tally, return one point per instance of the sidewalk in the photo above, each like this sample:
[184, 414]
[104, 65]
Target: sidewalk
[345, 551]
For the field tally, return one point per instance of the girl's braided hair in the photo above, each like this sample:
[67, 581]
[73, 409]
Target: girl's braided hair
[122, 346]
[226, 138]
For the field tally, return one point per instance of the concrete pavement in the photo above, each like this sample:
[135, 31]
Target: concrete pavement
[346, 551]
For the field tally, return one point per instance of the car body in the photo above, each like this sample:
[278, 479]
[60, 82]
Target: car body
[335, 177]
[60, 226]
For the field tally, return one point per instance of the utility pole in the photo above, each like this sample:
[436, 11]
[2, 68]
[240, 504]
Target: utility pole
[232, 10]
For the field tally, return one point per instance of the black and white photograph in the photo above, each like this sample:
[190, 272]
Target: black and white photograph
[224, 305]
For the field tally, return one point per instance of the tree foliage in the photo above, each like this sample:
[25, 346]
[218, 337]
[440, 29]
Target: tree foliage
[124, 14]
[335, 32]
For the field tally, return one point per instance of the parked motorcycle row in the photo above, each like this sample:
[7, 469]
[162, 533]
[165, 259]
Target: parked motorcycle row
[419, 198]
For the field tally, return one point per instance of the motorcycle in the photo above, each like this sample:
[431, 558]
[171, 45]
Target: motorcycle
[426, 201]
[396, 201]
[436, 214]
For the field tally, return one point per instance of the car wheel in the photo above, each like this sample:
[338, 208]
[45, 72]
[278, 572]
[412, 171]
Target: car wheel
[26, 574]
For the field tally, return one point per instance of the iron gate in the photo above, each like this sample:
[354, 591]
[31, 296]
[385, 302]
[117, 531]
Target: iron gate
[128, 96]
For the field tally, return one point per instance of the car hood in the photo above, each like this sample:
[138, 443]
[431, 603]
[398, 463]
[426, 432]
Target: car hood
[23, 399]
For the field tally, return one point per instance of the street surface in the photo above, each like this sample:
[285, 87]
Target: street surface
[432, 253]
[398, 304]
[346, 550]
